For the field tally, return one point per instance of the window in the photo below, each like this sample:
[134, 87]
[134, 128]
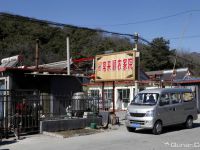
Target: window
[164, 100]
[108, 94]
[124, 95]
[175, 98]
[187, 97]
[1, 108]
[2, 87]
[145, 99]
[94, 93]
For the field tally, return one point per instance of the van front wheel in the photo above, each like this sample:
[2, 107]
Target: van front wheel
[189, 123]
[157, 128]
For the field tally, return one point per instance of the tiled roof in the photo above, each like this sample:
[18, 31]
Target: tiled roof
[180, 73]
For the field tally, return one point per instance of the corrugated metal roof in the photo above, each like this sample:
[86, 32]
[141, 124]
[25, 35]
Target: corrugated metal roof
[154, 72]
[9, 63]
[60, 64]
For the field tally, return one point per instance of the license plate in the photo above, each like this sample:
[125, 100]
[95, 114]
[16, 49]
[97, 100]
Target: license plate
[135, 125]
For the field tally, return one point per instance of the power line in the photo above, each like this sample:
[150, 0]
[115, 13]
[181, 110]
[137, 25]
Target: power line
[77, 27]
[156, 46]
[60, 24]
[185, 37]
[190, 62]
[85, 28]
[150, 20]
[182, 35]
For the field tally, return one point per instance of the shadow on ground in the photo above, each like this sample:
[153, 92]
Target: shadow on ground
[167, 129]
[7, 142]
[10, 141]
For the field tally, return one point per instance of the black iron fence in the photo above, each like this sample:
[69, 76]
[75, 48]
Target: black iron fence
[19, 110]
[22, 110]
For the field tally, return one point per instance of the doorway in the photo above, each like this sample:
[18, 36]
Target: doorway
[123, 98]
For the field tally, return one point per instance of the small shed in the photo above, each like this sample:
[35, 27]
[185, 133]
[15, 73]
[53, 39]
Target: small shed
[53, 87]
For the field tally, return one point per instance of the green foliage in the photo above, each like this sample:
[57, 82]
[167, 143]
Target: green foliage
[157, 56]
[18, 36]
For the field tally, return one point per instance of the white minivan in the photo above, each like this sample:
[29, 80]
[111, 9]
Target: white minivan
[156, 108]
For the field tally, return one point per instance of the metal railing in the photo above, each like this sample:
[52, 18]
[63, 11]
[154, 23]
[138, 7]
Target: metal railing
[22, 110]
[19, 111]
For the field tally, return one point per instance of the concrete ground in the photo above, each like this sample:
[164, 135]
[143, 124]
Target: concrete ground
[175, 137]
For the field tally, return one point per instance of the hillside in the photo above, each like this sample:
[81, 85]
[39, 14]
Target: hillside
[18, 36]
[191, 60]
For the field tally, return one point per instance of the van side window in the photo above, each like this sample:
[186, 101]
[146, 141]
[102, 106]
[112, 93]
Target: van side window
[164, 100]
[187, 97]
[175, 98]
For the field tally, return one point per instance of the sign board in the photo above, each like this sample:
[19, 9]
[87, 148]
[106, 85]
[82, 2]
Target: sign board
[116, 66]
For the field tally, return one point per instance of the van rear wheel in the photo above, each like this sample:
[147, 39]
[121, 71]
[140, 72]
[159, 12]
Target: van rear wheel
[189, 123]
[130, 129]
[157, 128]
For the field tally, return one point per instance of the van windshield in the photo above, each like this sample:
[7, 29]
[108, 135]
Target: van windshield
[145, 99]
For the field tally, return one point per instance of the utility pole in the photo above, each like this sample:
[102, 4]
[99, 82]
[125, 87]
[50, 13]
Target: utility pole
[68, 56]
[37, 54]
[137, 63]
[136, 37]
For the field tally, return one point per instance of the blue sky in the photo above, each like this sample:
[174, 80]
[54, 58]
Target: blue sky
[109, 14]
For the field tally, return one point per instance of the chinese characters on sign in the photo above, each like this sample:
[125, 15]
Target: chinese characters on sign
[120, 64]
[115, 66]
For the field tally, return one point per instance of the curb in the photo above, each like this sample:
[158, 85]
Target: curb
[52, 134]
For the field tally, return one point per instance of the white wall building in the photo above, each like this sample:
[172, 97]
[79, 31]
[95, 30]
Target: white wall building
[123, 95]
[126, 90]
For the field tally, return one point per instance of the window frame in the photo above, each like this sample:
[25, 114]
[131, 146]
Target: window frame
[108, 94]
[125, 93]
[185, 101]
[179, 99]
[94, 92]
[166, 104]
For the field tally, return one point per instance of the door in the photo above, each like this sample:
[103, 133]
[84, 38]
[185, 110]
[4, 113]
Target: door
[177, 108]
[123, 98]
[164, 110]
[2, 89]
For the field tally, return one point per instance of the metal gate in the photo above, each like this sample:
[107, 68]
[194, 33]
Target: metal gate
[24, 109]
[19, 109]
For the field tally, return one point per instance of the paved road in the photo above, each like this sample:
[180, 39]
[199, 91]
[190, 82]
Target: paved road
[120, 139]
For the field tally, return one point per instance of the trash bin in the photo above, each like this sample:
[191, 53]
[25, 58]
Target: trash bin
[93, 125]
